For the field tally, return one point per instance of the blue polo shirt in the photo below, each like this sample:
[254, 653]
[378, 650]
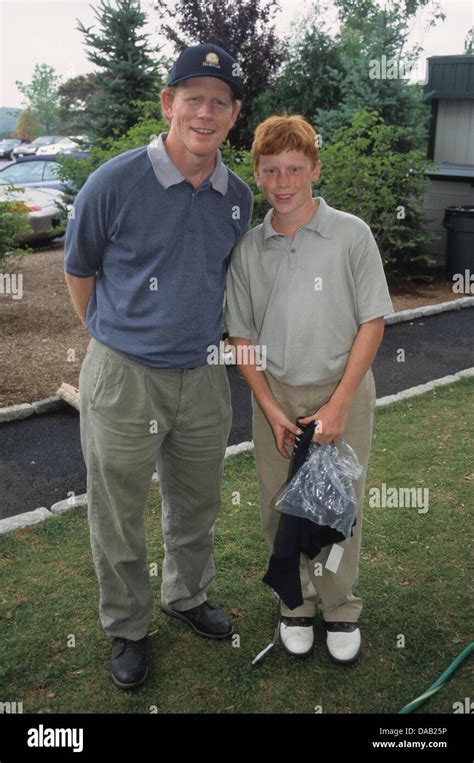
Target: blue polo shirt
[159, 250]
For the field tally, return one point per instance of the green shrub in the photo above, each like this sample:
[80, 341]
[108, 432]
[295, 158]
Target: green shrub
[240, 162]
[365, 173]
[13, 222]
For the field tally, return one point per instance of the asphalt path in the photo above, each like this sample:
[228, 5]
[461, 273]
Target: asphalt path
[41, 460]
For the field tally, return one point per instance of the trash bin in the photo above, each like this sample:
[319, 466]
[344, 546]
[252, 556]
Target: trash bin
[459, 222]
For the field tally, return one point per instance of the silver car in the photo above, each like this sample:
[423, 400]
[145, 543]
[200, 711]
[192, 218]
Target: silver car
[6, 147]
[46, 219]
[29, 149]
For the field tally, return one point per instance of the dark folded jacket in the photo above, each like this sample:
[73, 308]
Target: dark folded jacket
[296, 536]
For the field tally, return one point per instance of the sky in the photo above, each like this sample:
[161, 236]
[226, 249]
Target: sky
[44, 31]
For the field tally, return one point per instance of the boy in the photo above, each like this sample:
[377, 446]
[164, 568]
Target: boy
[307, 286]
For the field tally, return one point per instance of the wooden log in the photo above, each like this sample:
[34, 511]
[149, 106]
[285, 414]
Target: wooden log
[69, 394]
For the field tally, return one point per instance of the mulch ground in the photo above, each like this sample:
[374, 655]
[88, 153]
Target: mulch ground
[39, 331]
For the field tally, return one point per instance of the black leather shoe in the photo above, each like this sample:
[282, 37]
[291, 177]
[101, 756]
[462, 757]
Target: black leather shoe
[129, 668]
[205, 619]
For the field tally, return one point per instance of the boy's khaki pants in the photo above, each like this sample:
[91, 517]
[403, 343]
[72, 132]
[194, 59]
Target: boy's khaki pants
[332, 592]
[133, 419]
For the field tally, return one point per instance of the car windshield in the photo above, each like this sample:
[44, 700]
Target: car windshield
[26, 172]
[9, 141]
[46, 140]
[51, 171]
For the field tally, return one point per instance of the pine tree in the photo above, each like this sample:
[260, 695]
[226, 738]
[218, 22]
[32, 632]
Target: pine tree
[128, 67]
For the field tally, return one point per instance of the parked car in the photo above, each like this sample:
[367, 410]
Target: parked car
[63, 146]
[18, 150]
[84, 141]
[6, 147]
[36, 172]
[43, 140]
[44, 216]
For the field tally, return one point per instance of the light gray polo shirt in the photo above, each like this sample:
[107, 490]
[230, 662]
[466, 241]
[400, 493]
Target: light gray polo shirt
[303, 300]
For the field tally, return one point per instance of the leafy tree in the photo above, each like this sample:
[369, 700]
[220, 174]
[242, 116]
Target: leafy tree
[127, 67]
[244, 28]
[372, 41]
[364, 173]
[27, 126]
[75, 96]
[42, 96]
[311, 77]
[330, 74]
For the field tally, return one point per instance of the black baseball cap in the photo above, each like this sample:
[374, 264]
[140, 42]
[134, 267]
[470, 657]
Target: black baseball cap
[207, 61]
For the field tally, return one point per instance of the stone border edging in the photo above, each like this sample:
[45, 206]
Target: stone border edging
[23, 410]
[421, 389]
[18, 521]
[421, 312]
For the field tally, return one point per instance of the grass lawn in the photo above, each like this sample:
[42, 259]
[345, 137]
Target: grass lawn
[415, 581]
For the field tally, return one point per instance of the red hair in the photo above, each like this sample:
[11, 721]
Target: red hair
[278, 134]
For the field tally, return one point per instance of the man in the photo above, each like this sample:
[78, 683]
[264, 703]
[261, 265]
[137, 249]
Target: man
[146, 257]
[308, 288]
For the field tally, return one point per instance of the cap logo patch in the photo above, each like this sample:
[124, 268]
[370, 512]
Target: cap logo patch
[212, 59]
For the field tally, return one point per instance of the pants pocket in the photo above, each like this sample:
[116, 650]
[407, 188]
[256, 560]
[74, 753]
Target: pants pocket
[89, 377]
[108, 383]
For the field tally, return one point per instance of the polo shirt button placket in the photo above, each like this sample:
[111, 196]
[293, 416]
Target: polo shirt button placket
[190, 227]
[293, 257]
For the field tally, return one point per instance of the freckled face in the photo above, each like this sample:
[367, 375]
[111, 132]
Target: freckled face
[286, 180]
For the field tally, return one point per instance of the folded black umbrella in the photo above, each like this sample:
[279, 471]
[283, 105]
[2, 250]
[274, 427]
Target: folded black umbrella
[296, 535]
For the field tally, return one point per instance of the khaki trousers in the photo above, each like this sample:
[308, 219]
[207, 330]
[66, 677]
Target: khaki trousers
[331, 592]
[135, 419]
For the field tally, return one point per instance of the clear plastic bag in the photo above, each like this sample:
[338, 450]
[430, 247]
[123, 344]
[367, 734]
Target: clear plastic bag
[322, 490]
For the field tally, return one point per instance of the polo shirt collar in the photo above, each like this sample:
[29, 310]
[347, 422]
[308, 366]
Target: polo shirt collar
[322, 222]
[168, 175]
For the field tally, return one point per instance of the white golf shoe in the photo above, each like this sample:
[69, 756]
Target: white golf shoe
[297, 635]
[343, 642]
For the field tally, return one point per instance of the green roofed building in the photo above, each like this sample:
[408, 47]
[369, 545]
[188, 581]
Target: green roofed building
[450, 88]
